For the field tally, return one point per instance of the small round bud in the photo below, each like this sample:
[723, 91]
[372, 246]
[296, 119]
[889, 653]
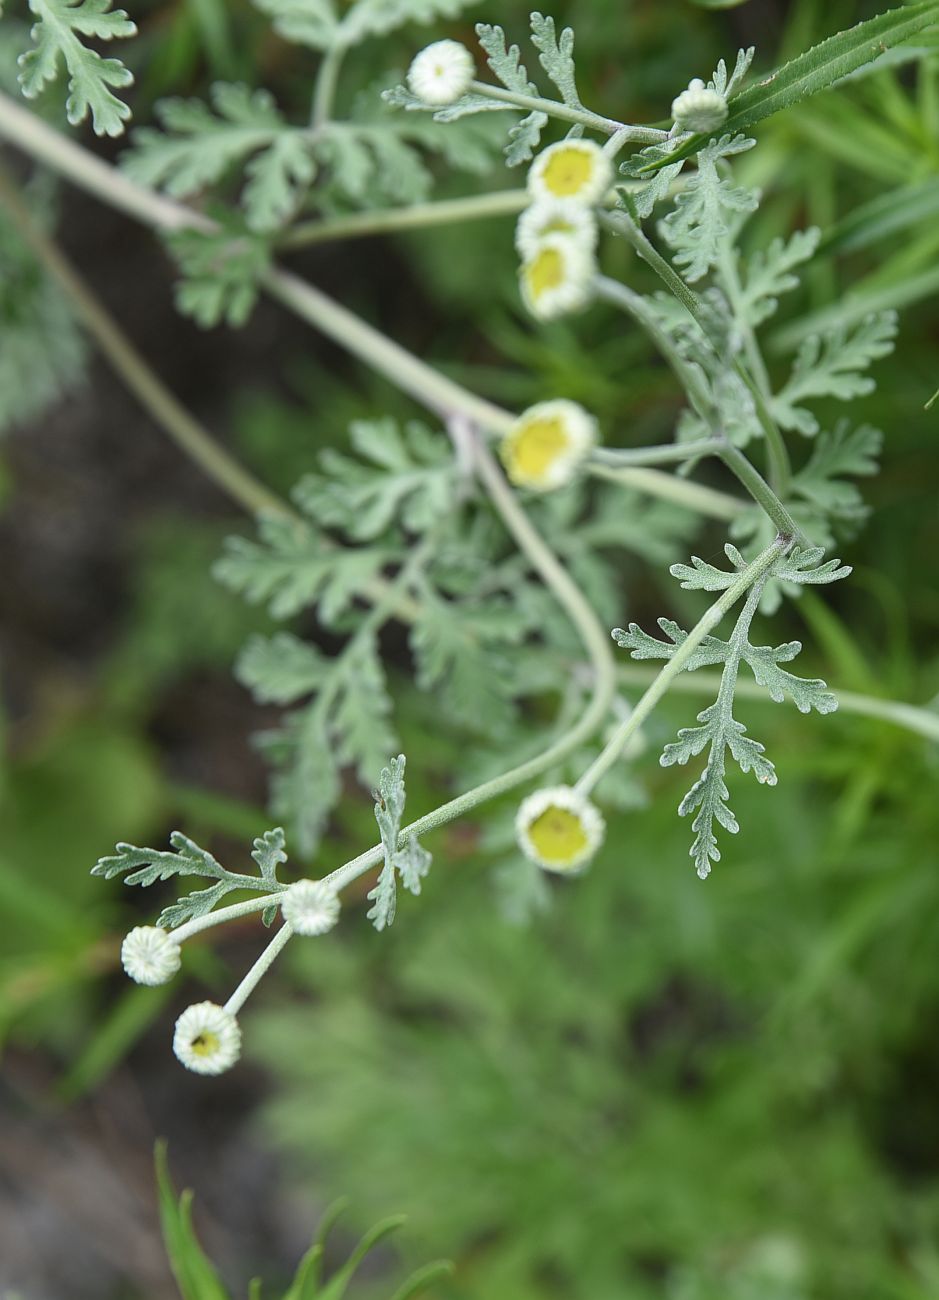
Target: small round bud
[699, 108]
[311, 907]
[571, 169]
[150, 955]
[441, 73]
[207, 1038]
[559, 829]
[546, 445]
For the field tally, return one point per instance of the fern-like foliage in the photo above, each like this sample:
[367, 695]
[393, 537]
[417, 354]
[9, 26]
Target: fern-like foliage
[408, 860]
[719, 731]
[833, 365]
[556, 56]
[150, 866]
[325, 24]
[59, 33]
[697, 226]
[221, 272]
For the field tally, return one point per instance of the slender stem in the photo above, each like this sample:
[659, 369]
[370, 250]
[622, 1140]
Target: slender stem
[259, 969]
[223, 914]
[761, 491]
[581, 615]
[326, 82]
[667, 454]
[694, 496]
[911, 717]
[777, 453]
[666, 675]
[554, 108]
[418, 216]
[194, 439]
[434, 391]
[622, 296]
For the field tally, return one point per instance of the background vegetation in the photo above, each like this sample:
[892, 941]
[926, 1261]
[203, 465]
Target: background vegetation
[658, 1089]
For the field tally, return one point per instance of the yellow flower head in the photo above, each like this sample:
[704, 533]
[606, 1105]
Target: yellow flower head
[207, 1038]
[555, 217]
[558, 277]
[545, 446]
[559, 829]
[571, 169]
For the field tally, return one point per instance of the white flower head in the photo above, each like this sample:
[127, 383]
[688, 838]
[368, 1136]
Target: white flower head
[547, 443]
[207, 1038]
[559, 829]
[555, 217]
[699, 108]
[311, 907]
[441, 73]
[571, 169]
[150, 955]
[558, 277]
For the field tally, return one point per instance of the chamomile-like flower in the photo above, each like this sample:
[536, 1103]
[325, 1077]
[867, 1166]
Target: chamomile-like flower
[150, 955]
[207, 1038]
[558, 277]
[547, 443]
[441, 73]
[559, 829]
[311, 907]
[571, 169]
[555, 217]
[699, 108]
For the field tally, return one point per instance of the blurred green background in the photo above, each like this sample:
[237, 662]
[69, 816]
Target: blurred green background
[660, 1088]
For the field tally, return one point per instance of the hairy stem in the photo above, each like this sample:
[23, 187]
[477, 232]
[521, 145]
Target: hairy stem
[194, 439]
[327, 80]
[693, 496]
[569, 113]
[751, 575]
[669, 453]
[259, 969]
[417, 216]
[222, 914]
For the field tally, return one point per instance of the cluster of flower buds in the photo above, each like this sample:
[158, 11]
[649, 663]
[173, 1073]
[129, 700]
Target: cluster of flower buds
[556, 235]
[207, 1037]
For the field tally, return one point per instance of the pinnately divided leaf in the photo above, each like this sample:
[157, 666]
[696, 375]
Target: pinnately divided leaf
[505, 61]
[697, 225]
[556, 56]
[769, 273]
[221, 273]
[719, 732]
[408, 860]
[150, 866]
[58, 34]
[833, 365]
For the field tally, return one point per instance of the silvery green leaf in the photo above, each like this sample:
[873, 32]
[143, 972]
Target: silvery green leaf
[268, 853]
[805, 693]
[149, 866]
[556, 56]
[833, 365]
[222, 270]
[642, 646]
[290, 568]
[280, 669]
[768, 273]
[378, 17]
[410, 861]
[360, 718]
[841, 452]
[705, 577]
[58, 33]
[802, 566]
[305, 784]
[399, 475]
[697, 225]
[304, 22]
[719, 81]
[505, 62]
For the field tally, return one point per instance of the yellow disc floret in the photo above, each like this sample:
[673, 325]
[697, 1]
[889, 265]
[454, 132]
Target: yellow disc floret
[571, 169]
[546, 445]
[559, 829]
[558, 276]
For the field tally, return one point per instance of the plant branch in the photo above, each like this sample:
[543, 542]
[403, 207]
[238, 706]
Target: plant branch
[259, 969]
[418, 216]
[668, 487]
[749, 577]
[569, 113]
[194, 439]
